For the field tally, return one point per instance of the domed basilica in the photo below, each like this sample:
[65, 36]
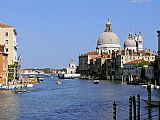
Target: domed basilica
[108, 41]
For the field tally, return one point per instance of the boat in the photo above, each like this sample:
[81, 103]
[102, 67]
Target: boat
[68, 76]
[19, 90]
[152, 86]
[40, 78]
[96, 81]
[58, 82]
[29, 85]
[153, 102]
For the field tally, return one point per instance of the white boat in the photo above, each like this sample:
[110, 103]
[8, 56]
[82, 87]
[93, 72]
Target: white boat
[96, 81]
[29, 85]
[152, 86]
[58, 82]
[68, 76]
[19, 90]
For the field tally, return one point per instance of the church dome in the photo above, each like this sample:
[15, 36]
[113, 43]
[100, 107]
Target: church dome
[130, 42]
[108, 37]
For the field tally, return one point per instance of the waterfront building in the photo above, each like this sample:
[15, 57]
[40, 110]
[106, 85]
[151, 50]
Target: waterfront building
[97, 66]
[8, 38]
[122, 57]
[138, 71]
[3, 66]
[71, 69]
[158, 55]
[84, 62]
[93, 64]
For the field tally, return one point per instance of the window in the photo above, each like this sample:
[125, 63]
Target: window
[6, 49]
[6, 34]
[6, 41]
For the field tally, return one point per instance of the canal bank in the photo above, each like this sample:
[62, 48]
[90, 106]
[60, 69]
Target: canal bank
[76, 99]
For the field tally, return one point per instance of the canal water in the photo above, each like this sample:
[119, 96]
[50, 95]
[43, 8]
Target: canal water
[74, 99]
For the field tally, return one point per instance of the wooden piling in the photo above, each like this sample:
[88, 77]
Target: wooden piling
[159, 111]
[130, 108]
[138, 107]
[134, 107]
[149, 94]
[114, 111]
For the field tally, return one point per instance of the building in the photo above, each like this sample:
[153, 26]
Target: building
[93, 64]
[134, 43]
[8, 38]
[138, 71]
[97, 66]
[71, 69]
[84, 62]
[3, 66]
[158, 55]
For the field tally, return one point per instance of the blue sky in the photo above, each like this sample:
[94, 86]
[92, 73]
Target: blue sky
[51, 32]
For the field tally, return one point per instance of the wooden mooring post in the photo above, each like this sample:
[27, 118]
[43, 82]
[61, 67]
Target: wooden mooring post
[134, 107]
[159, 111]
[130, 108]
[114, 110]
[138, 107]
[149, 94]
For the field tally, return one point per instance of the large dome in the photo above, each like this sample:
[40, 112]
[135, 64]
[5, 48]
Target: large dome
[130, 42]
[108, 38]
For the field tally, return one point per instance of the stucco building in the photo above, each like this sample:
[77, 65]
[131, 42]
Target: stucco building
[3, 66]
[8, 38]
[71, 69]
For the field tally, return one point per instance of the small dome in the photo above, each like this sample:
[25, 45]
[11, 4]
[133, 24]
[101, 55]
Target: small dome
[108, 38]
[130, 42]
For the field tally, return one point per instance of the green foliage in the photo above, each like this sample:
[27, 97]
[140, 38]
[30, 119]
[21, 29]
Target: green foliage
[47, 70]
[141, 64]
[11, 71]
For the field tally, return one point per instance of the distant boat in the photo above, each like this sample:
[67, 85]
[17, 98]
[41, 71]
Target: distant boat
[40, 78]
[68, 76]
[29, 85]
[19, 90]
[152, 86]
[96, 81]
[58, 82]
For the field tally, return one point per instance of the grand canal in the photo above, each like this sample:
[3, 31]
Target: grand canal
[73, 100]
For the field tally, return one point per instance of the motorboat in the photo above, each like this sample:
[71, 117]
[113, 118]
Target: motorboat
[96, 81]
[68, 76]
[58, 82]
[19, 90]
[152, 86]
[29, 85]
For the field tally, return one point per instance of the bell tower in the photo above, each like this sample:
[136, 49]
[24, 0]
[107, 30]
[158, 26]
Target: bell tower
[140, 42]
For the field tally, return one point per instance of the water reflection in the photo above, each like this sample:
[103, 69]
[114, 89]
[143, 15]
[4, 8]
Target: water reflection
[8, 105]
